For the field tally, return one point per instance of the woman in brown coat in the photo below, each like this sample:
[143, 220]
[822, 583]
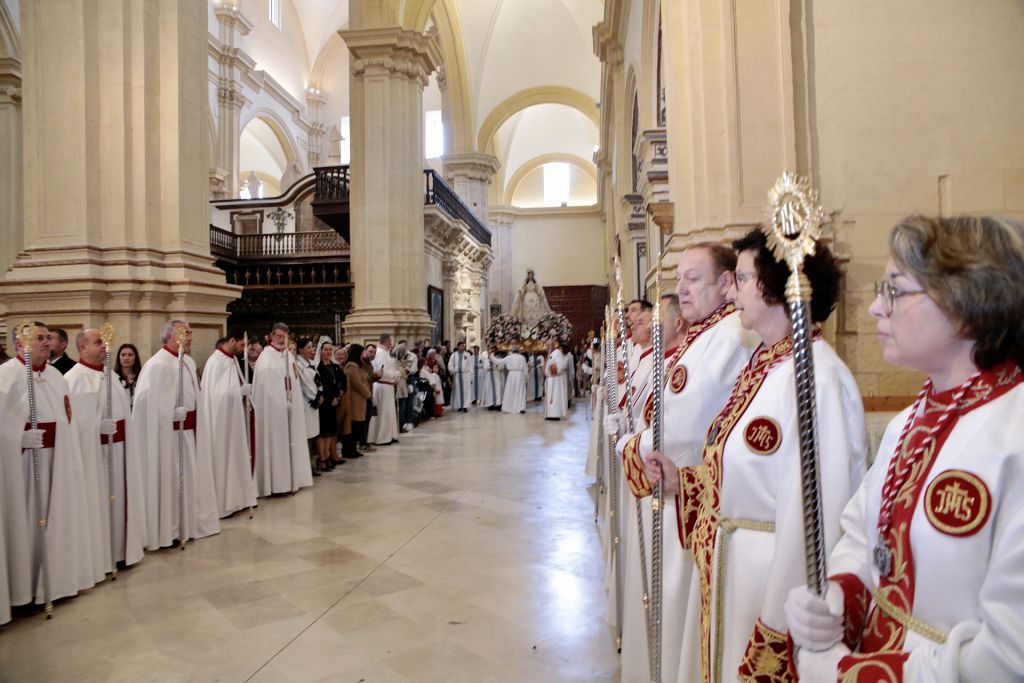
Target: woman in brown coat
[353, 402]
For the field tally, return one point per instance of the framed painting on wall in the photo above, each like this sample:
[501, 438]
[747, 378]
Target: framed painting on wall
[435, 308]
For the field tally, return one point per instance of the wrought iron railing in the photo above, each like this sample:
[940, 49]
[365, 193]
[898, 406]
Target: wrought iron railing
[440, 194]
[277, 245]
[332, 183]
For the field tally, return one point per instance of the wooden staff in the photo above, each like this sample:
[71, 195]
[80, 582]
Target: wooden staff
[107, 335]
[26, 332]
[793, 228]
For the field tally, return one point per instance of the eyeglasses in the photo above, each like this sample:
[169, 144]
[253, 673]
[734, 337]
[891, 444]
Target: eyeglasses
[890, 293]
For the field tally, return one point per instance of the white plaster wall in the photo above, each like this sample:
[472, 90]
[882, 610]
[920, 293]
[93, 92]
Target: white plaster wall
[564, 247]
[530, 191]
[281, 53]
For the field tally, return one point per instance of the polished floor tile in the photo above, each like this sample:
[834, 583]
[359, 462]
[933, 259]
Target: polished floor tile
[466, 553]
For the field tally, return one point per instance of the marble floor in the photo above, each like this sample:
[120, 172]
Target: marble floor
[466, 553]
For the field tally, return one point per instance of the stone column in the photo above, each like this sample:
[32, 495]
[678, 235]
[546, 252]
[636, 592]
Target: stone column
[115, 158]
[11, 230]
[450, 272]
[390, 68]
[470, 176]
[502, 280]
[232, 25]
[315, 101]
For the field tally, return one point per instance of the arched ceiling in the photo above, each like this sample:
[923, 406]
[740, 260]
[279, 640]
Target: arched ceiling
[514, 52]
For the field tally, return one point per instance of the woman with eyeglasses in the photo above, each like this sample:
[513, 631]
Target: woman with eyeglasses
[741, 511]
[927, 582]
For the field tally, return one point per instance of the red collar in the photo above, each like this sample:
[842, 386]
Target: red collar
[647, 352]
[34, 368]
[671, 352]
[97, 368]
[173, 353]
[271, 346]
[221, 349]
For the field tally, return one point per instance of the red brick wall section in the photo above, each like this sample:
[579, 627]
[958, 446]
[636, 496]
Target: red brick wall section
[583, 305]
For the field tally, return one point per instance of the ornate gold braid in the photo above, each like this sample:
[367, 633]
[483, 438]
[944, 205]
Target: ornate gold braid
[908, 620]
[727, 526]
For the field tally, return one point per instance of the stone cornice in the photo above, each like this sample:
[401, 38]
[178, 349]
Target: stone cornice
[503, 215]
[397, 50]
[231, 17]
[607, 45]
[473, 165]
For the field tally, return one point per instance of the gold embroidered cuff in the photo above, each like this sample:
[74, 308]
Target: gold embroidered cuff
[633, 468]
[767, 659]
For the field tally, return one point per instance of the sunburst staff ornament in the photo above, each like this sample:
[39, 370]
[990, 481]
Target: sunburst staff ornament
[107, 337]
[792, 230]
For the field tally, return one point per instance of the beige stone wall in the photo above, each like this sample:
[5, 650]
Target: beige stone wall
[563, 247]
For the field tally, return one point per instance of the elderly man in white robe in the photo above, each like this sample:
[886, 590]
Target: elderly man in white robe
[64, 502]
[513, 400]
[223, 426]
[282, 452]
[460, 366]
[113, 472]
[167, 443]
[556, 387]
[698, 379]
[383, 427]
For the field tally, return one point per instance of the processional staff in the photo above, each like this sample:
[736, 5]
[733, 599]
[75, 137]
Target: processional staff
[249, 436]
[107, 335]
[289, 368]
[180, 335]
[614, 474]
[26, 332]
[793, 227]
[645, 591]
[657, 510]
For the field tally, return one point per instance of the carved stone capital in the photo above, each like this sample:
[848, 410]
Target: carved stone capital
[394, 51]
[230, 96]
[474, 166]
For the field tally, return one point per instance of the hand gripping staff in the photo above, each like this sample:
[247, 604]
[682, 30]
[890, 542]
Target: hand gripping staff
[614, 473]
[26, 332]
[107, 335]
[645, 594]
[657, 510]
[180, 334]
[793, 227]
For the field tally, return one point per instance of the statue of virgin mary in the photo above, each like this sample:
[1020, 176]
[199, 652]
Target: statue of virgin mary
[530, 304]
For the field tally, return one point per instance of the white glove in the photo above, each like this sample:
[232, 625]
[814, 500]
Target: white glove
[245, 390]
[108, 427]
[813, 667]
[815, 623]
[611, 424]
[32, 438]
[180, 414]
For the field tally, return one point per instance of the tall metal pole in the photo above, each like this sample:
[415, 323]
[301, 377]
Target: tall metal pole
[247, 378]
[181, 334]
[107, 335]
[792, 230]
[614, 476]
[26, 332]
[645, 591]
[657, 512]
[289, 388]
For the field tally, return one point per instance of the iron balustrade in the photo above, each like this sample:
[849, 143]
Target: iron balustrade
[440, 194]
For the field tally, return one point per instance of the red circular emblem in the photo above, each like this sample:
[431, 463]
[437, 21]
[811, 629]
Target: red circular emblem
[957, 503]
[649, 409]
[677, 378]
[763, 435]
[621, 372]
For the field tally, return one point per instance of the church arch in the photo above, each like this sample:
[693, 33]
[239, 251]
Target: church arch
[275, 123]
[457, 109]
[536, 162]
[547, 94]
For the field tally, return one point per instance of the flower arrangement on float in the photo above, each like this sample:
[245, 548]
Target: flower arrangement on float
[504, 331]
[551, 325]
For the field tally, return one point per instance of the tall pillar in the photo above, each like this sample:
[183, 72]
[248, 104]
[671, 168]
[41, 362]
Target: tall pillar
[470, 176]
[501, 279]
[389, 69]
[115, 156]
[315, 101]
[450, 274]
[232, 25]
[11, 232]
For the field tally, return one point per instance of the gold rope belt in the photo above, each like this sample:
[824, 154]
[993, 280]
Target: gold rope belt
[906, 619]
[728, 526]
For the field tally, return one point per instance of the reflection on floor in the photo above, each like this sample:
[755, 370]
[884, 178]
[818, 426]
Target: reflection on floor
[466, 553]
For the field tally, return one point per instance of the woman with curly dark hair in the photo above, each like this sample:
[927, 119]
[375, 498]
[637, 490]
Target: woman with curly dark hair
[128, 365]
[745, 520]
[926, 583]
